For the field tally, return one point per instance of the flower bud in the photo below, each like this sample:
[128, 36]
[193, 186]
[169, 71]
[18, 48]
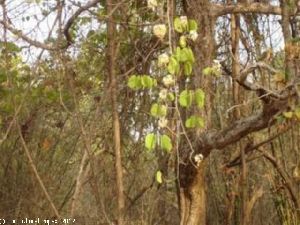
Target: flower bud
[163, 94]
[184, 21]
[160, 30]
[168, 80]
[163, 59]
[193, 35]
[162, 122]
[152, 4]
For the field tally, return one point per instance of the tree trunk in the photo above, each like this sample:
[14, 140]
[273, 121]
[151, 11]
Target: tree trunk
[191, 184]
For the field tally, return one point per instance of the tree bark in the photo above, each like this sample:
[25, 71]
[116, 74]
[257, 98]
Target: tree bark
[191, 182]
[111, 52]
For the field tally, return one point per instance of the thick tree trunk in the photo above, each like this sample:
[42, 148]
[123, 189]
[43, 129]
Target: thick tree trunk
[191, 184]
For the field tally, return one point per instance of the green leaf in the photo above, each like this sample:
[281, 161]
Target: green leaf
[182, 41]
[182, 55]
[193, 25]
[147, 81]
[297, 113]
[171, 97]
[150, 141]
[207, 71]
[177, 25]
[288, 115]
[190, 55]
[166, 143]
[200, 97]
[186, 98]
[134, 82]
[173, 66]
[187, 68]
[194, 121]
[158, 177]
[158, 110]
[10, 46]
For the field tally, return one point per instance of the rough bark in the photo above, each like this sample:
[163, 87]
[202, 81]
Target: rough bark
[111, 52]
[191, 178]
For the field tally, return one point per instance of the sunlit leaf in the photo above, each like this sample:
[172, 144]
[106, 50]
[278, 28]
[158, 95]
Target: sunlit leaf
[158, 177]
[186, 98]
[150, 141]
[166, 143]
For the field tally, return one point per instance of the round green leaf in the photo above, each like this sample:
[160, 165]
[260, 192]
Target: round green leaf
[193, 25]
[173, 66]
[177, 25]
[194, 121]
[158, 110]
[166, 143]
[150, 141]
[187, 68]
[186, 98]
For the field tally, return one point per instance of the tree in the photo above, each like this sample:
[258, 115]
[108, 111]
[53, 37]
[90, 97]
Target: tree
[184, 79]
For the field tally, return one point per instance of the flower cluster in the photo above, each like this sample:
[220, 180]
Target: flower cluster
[198, 159]
[152, 4]
[160, 30]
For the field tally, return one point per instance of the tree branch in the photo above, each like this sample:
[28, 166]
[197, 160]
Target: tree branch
[220, 9]
[71, 20]
[239, 129]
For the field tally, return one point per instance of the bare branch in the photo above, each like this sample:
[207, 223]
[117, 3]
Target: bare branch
[71, 20]
[239, 129]
[220, 10]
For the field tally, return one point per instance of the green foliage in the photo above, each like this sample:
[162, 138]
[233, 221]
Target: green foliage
[187, 68]
[186, 98]
[193, 25]
[288, 115]
[150, 141]
[178, 25]
[9, 47]
[158, 177]
[194, 122]
[166, 143]
[173, 66]
[158, 110]
[136, 82]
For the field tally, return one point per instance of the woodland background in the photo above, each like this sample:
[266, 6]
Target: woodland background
[72, 133]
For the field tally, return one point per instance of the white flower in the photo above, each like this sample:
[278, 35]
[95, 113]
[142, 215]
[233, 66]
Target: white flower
[184, 21]
[193, 35]
[168, 80]
[160, 30]
[163, 94]
[163, 59]
[162, 122]
[152, 4]
[198, 159]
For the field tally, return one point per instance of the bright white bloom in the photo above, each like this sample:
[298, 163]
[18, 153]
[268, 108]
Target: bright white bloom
[162, 122]
[168, 80]
[198, 159]
[163, 94]
[160, 30]
[184, 21]
[152, 4]
[163, 59]
[193, 35]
